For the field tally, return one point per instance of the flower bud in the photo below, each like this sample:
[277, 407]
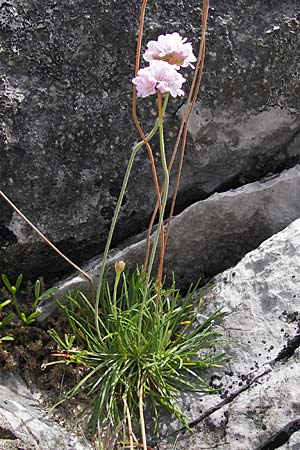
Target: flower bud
[13, 289]
[119, 266]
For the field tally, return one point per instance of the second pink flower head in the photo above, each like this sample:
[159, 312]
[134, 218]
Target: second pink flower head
[161, 77]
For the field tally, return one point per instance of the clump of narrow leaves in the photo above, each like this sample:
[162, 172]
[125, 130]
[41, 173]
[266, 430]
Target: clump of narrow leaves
[27, 314]
[151, 346]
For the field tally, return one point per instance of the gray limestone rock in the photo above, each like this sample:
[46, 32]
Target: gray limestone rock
[25, 424]
[66, 127]
[258, 408]
[293, 443]
[213, 234]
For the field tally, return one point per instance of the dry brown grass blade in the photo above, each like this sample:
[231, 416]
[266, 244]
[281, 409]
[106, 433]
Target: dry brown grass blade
[135, 118]
[182, 130]
[194, 97]
[46, 240]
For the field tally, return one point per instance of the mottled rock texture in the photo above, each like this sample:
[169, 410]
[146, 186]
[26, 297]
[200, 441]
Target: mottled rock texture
[258, 408]
[213, 234]
[24, 424]
[66, 127]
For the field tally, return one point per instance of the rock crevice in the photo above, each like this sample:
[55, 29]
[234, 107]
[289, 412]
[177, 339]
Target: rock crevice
[66, 126]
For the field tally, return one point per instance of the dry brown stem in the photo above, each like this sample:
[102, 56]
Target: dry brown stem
[182, 130]
[47, 241]
[196, 80]
[135, 118]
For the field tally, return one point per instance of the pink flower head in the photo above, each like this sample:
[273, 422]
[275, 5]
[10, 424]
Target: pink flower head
[161, 77]
[171, 48]
[145, 82]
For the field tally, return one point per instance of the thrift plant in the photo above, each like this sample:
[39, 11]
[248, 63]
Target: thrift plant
[147, 352]
[145, 343]
[139, 341]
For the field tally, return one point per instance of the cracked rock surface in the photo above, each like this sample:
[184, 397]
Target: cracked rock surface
[214, 233]
[25, 425]
[259, 406]
[293, 443]
[66, 128]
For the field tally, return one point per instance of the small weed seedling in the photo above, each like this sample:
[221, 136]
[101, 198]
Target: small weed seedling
[5, 319]
[28, 315]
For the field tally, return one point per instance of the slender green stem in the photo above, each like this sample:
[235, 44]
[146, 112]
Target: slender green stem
[165, 196]
[114, 305]
[163, 206]
[15, 304]
[116, 213]
[117, 279]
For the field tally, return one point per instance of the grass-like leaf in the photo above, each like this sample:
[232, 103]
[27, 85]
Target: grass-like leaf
[160, 346]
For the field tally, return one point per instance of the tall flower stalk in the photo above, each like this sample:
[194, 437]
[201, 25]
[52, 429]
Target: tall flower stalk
[165, 56]
[166, 182]
[162, 211]
[181, 136]
[173, 49]
[145, 342]
[134, 152]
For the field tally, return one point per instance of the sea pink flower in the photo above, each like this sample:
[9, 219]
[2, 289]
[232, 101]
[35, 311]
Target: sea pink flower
[171, 48]
[161, 77]
[145, 82]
